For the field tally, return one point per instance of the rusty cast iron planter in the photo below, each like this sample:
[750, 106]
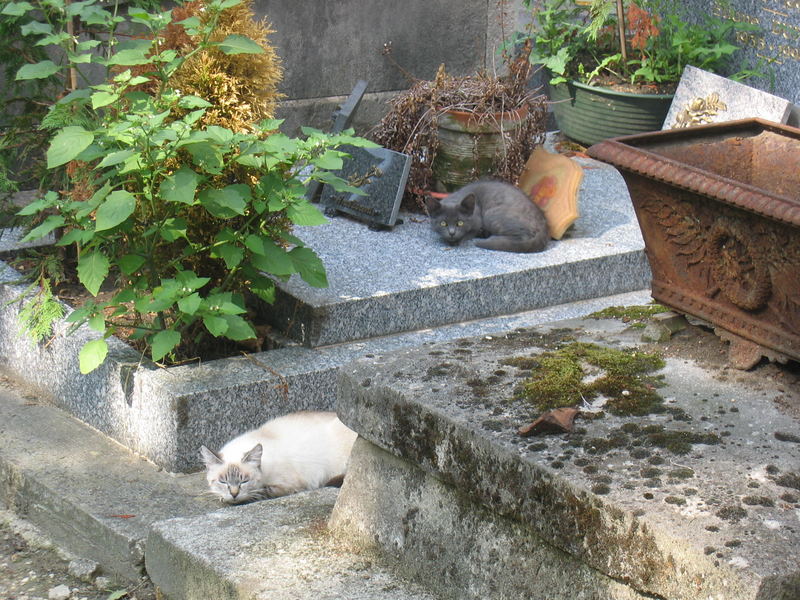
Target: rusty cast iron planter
[719, 209]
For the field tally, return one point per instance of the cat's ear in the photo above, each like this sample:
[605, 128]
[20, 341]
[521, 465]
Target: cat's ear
[468, 205]
[253, 457]
[433, 205]
[210, 458]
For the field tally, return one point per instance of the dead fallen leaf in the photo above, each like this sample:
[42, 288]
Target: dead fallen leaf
[558, 420]
[121, 516]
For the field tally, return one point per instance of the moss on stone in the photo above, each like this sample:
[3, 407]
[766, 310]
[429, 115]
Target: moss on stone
[681, 473]
[680, 442]
[790, 480]
[676, 500]
[558, 379]
[629, 314]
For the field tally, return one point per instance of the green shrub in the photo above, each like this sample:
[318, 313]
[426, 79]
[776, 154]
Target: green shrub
[183, 220]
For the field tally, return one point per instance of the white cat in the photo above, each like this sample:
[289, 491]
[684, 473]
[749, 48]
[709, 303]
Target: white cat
[296, 452]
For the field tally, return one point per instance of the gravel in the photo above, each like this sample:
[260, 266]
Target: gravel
[31, 568]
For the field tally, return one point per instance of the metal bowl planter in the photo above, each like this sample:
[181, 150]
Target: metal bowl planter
[469, 144]
[719, 210]
[589, 114]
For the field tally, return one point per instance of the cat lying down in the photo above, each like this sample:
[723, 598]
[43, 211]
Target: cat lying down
[296, 452]
[498, 212]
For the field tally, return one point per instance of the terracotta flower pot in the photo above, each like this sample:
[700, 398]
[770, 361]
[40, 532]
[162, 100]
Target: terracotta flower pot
[470, 143]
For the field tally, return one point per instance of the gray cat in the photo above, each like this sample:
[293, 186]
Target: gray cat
[496, 211]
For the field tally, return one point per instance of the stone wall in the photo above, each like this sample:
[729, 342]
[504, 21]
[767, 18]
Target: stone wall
[326, 46]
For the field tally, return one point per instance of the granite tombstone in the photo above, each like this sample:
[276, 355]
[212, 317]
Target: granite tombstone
[704, 97]
[777, 44]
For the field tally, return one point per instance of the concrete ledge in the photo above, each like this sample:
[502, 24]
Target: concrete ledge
[455, 545]
[89, 495]
[271, 550]
[727, 529]
[407, 279]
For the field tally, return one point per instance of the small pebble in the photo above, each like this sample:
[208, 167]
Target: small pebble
[60, 592]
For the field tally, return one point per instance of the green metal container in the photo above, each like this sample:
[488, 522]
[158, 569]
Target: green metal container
[590, 114]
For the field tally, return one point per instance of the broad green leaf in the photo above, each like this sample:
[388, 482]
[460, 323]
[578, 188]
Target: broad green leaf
[232, 255]
[117, 207]
[36, 28]
[100, 99]
[67, 144]
[227, 202]
[92, 355]
[217, 326]
[163, 343]
[49, 224]
[206, 156]
[54, 39]
[38, 205]
[73, 236]
[39, 70]
[131, 53]
[98, 323]
[115, 158]
[273, 259]
[239, 44]
[309, 266]
[220, 135]
[190, 303]
[263, 287]
[16, 9]
[130, 263]
[92, 271]
[174, 228]
[180, 186]
[305, 213]
[330, 160]
[190, 101]
[124, 295]
[238, 329]
[189, 281]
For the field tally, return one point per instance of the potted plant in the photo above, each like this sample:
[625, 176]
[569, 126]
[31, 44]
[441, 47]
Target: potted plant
[458, 129]
[614, 64]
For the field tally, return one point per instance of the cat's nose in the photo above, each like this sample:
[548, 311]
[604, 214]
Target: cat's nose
[234, 491]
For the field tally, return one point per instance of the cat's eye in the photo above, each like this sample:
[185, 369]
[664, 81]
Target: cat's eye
[460, 224]
[443, 224]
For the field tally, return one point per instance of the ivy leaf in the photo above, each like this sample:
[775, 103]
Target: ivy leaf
[92, 355]
[163, 343]
[180, 186]
[39, 70]
[114, 210]
[92, 271]
[100, 99]
[173, 229]
[36, 27]
[67, 144]
[309, 266]
[239, 44]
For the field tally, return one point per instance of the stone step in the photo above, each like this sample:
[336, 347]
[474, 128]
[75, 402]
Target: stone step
[88, 494]
[697, 499]
[272, 550]
[166, 414]
[384, 282]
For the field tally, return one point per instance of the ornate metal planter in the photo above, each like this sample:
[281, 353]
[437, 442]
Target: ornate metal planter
[719, 209]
